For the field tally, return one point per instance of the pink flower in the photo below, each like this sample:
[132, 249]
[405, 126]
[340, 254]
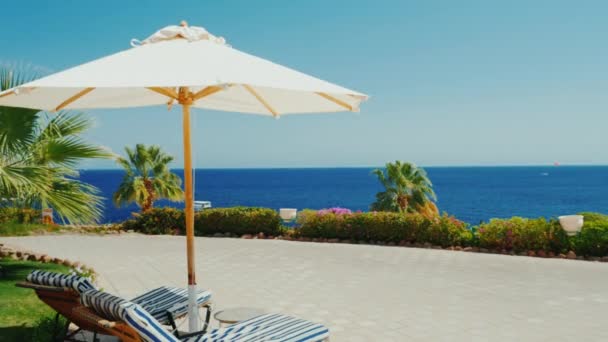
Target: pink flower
[336, 211]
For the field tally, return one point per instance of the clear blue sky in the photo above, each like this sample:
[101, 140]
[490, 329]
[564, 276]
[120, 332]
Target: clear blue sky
[452, 82]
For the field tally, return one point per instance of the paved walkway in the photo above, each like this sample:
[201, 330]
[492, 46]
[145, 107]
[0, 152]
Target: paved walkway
[363, 293]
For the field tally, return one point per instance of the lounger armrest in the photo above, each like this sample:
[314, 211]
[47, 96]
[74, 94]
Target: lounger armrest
[192, 334]
[208, 305]
[28, 285]
[91, 317]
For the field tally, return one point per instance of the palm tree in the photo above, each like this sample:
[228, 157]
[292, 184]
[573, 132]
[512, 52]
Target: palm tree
[39, 154]
[407, 188]
[147, 178]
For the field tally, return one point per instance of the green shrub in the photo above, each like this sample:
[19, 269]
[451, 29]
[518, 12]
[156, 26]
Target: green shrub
[522, 234]
[591, 217]
[383, 226]
[19, 215]
[238, 220]
[592, 240]
[157, 221]
[446, 231]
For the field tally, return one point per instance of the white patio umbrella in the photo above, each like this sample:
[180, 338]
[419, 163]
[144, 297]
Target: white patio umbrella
[189, 66]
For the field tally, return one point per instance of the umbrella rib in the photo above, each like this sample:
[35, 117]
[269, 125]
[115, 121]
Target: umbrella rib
[207, 91]
[73, 98]
[165, 91]
[336, 101]
[261, 100]
[12, 92]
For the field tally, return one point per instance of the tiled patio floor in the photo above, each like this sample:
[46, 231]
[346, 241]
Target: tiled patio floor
[363, 293]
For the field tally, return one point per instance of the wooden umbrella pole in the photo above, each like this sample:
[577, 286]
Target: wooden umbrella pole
[185, 99]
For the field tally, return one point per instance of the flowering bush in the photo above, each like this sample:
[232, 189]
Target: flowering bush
[383, 226]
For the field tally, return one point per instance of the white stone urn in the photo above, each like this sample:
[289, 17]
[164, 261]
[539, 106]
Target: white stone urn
[572, 224]
[288, 214]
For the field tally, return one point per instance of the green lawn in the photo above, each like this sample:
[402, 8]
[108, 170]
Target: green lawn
[22, 314]
[21, 229]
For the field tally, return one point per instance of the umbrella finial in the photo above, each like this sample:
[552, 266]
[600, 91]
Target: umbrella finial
[183, 23]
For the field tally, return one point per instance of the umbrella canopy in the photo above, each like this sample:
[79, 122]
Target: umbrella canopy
[189, 66]
[220, 77]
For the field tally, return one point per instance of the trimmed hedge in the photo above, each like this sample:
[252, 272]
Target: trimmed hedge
[237, 220]
[516, 234]
[19, 215]
[520, 234]
[383, 226]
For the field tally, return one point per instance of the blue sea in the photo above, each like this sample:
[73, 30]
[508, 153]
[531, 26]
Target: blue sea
[472, 194]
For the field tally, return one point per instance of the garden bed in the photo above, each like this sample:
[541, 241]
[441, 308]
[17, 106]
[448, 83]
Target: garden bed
[515, 236]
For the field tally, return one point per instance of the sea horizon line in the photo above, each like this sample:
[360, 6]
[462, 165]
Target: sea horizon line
[363, 167]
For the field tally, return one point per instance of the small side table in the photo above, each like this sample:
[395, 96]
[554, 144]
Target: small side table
[235, 315]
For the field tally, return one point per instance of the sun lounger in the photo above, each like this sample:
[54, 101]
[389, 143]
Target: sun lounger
[62, 293]
[123, 318]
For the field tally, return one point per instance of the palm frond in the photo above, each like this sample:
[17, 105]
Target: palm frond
[38, 157]
[65, 124]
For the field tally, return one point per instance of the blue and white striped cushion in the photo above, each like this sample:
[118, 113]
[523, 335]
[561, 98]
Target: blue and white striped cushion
[163, 300]
[40, 277]
[104, 304]
[270, 327]
[148, 328]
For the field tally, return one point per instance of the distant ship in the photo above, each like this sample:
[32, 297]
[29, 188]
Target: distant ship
[556, 164]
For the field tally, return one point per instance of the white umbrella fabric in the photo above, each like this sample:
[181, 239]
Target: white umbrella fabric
[185, 65]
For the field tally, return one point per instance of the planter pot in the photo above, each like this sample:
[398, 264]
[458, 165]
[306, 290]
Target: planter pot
[572, 224]
[288, 214]
[47, 216]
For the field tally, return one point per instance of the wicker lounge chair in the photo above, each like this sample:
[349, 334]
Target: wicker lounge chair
[62, 293]
[132, 323]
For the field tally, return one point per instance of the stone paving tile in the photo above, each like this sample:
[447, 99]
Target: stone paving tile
[363, 293]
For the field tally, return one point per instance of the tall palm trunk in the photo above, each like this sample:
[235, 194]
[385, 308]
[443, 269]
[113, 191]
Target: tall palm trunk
[402, 202]
[151, 196]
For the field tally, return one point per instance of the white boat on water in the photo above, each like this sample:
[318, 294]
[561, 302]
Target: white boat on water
[200, 205]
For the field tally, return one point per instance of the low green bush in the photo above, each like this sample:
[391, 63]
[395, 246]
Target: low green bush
[157, 221]
[237, 220]
[592, 240]
[591, 217]
[447, 231]
[19, 215]
[383, 226]
[521, 234]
